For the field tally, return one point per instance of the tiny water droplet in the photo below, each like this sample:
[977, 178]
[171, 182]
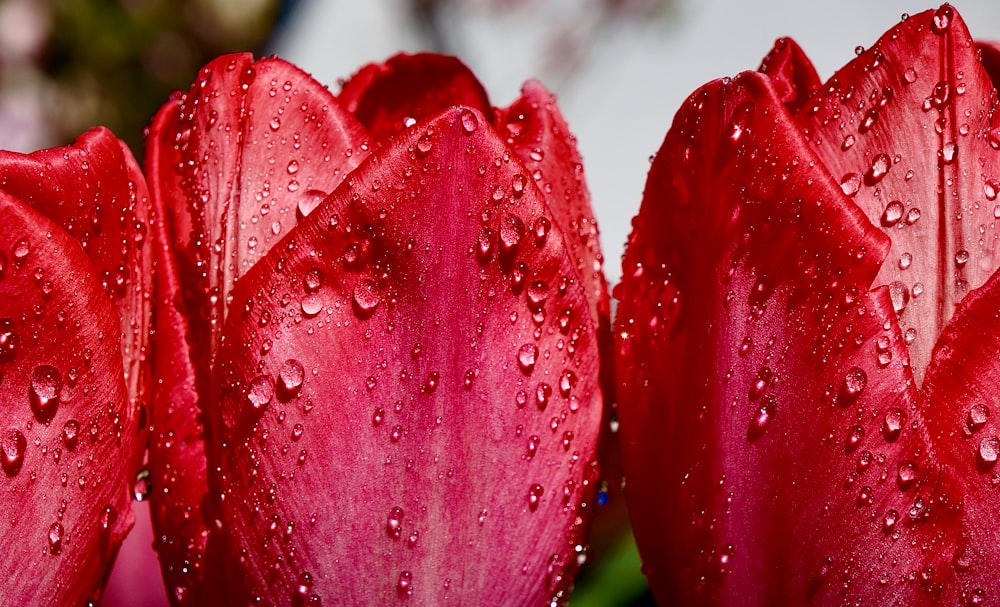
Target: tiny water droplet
[535, 497]
[366, 298]
[469, 121]
[989, 448]
[892, 214]
[291, 375]
[56, 533]
[394, 523]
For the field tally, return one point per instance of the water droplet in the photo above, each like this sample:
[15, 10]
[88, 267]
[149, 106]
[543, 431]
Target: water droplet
[366, 298]
[977, 417]
[540, 228]
[293, 167]
[961, 258]
[892, 424]
[469, 121]
[906, 474]
[854, 384]
[70, 434]
[871, 116]
[892, 214]
[848, 143]
[312, 280]
[394, 523]
[43, 393]
[912, 216]
[404, 585]
[566, 382]
[260, 392]
[290, 376]
[899, 294]
[275, 123]
[854, 437]
[761, 419]
[8, 340]
[56, 532]
[942, 19]
[12, 449]
[991, 188]
[910, 76]
[537, 293]
[21, 251]
[948, 152]
[424, 144]
[308, 203]
[905, 261]
[890, 520]
[511, 232]
[542, 394]
[941, 94]
[989, 448]
[760, 382]
[527, 355]
[850, 184]
[535, 496]
[378, 416]
[879, 168]
[533, 441]
[865, 497]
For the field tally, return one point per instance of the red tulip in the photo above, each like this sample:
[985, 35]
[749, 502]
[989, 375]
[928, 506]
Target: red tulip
[377, 347]
[807, 337]
[75, 293]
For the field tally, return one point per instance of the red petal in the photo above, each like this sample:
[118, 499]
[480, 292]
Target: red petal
[961, 402]
[237, 166]
[385, 97]
[177, 462]
[256, 144]
[381, 433]
[536, 130]
[95, 191]
[990, 55]
[772, 445]
[69, 432]
[910, 127]
[792, 74]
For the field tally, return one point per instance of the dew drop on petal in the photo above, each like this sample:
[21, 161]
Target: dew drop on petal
[892, 214]
[260, 392]
[989, 448]
[12, 449]
[527, 355]
[291, 375]
[43, 393]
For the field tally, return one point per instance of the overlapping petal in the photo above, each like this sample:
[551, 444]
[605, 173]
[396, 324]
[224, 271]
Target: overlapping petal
[803, 462]
[233, 166]
[419, 347]
[419, 359]
[910, 130]
[771, 437]
[70, 432]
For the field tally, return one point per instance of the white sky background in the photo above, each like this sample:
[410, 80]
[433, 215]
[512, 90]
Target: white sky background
[629, 76]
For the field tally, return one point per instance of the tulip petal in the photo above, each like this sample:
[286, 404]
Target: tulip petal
[257, 143]
[237, 166]
[537, 132]
[791, 72]
[95, 191]
[961, 401]
[69, 431]
[406, 89]
[990, 55]
[771, 440]
[410, 399]
[909, 130]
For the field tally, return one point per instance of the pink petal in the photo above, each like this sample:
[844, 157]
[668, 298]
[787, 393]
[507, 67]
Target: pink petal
[95, 191]
[410, 399]
[909, 130]
[407, 89]
[791, 72]
[536, 130]
[772, 445]
[961, 402]
[70, 431]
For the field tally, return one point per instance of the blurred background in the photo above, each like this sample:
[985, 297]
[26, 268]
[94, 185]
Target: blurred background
[621, 68]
